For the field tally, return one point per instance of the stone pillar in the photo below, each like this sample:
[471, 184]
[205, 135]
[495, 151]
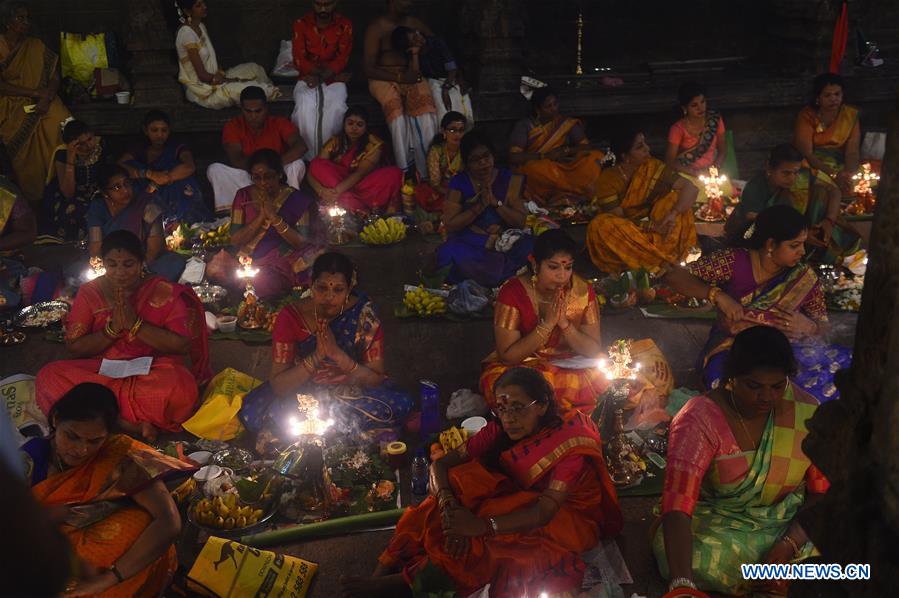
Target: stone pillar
[800, 34]
[855, 440]
[154, 71]
[493, 31]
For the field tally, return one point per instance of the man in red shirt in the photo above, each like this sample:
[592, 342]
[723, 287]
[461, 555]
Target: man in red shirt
[322, 41]
[254, 130]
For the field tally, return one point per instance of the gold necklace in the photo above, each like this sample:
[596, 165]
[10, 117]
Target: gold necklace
[742, 423]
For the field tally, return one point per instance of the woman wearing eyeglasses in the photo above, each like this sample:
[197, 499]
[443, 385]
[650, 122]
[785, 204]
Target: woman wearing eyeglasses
[277, 225]
[444, 162]
[117, 207]
[482, 203]
[514, 507]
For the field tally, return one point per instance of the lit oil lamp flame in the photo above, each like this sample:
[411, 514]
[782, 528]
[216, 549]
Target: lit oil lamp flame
[312, 424]
[336, 212]
[96, 270]
[864, 177]
[621, 366]
[246, 269]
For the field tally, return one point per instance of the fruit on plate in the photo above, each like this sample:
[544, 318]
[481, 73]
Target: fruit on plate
[383, 232]
[217, 237]
[225, 512]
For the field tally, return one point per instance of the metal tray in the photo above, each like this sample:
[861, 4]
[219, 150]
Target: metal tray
[21, 319]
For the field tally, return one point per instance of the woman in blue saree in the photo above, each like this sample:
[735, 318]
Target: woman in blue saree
[164, 168]
[481, 204]
[329, 345]
[765, 283]
[118, 207]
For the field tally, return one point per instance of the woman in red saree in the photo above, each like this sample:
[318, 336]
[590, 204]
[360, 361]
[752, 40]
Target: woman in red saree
[548, 316]
[514, 507]
[120, 519]
[122, 315]
[346, 171]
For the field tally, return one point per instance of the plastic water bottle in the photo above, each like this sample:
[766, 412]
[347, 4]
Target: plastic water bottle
[430, 408]
[419, 476]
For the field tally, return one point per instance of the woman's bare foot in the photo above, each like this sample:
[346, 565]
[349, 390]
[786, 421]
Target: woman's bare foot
[392, 585]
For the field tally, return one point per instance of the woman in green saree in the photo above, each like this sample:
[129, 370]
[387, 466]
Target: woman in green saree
[736, 474]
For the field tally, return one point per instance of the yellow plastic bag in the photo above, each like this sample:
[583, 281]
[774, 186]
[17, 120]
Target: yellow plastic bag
[18, 397]
[216, 419]
[226, 568]
[655, 373]
[81, 54]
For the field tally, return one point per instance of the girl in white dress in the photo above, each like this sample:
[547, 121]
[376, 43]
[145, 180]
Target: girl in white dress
[204, 82]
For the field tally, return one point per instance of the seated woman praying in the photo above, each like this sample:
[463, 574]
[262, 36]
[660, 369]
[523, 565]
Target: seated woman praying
[122, 315]
[513, 507]
[547, 315]
[553, 152]
[165, 168]
[117, 207]
[484, 217]
[72, 182]
[329, 345]
[737, 476]
[444, 162]
[646, 218]
[765, 282]
[277, 225]
[118, 515]
[349, 172]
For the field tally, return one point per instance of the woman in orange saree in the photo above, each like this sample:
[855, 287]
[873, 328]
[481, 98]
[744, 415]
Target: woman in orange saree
[514, 507]
[553, 152]
[122, 315]
[120, 519]
[28, 79]
[548, 316]
[646, 218]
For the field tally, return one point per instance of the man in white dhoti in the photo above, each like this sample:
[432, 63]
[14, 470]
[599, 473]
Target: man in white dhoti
[322, 41]
[253, 130]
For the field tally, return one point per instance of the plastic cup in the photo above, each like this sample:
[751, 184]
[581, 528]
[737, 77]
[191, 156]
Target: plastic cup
[123, 97]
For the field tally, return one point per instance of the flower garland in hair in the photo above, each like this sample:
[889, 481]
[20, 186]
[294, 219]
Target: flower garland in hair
[749, 231]
[181, 18]
[66, 121]
[609, 159]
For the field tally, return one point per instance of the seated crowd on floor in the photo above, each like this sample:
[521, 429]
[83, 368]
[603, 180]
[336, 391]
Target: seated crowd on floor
[530, 492]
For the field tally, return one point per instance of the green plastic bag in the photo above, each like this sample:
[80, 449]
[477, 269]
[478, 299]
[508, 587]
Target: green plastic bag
[81, 54]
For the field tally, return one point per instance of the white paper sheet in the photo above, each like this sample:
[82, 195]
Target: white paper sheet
[123, 368]
[576, 363]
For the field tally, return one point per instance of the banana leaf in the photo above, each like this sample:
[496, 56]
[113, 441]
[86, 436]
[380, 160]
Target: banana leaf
[331, 527]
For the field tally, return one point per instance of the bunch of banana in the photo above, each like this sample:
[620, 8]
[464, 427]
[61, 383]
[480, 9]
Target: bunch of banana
[423, 302]
[383, 232]
[225, 513]
[453, 438]
[217, 236]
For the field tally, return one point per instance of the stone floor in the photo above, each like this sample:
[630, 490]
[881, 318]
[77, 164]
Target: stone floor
[448, 353]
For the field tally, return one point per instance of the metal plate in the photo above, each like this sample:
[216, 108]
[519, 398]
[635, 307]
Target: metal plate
[210, 293]
[31, 316]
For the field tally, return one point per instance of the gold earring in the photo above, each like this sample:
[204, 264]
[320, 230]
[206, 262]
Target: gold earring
[729, 385]
[770, 253]
[534, 280]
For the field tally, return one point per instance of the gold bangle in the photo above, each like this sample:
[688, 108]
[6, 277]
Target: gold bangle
[308, 364]
[109, 332]
[713, 293]
[135, 329]
[354, 368]
[792, 543]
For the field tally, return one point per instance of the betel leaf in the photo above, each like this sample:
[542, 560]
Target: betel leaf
[432, 582]
[250, 491]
